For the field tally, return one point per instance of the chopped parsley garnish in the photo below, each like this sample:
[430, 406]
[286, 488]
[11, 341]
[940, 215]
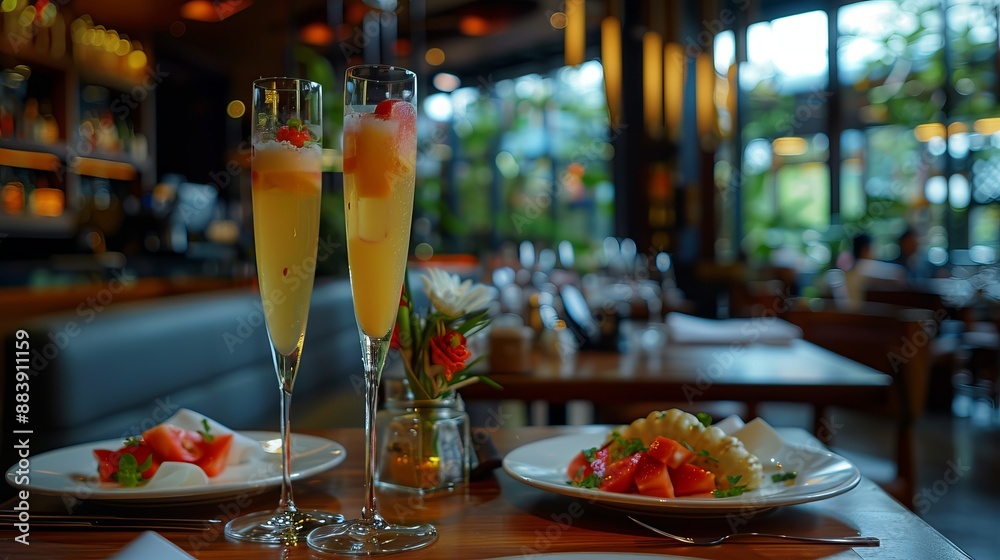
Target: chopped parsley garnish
[209, 438]
[589, 454]
[130, 471]
[687, 446]
[589, 481]
[736, 490]
[132, 441]
[782, 477]
[705, 419]
[705, 453]
[628, 446]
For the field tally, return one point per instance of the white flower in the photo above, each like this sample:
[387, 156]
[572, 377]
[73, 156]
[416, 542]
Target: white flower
[455, 298]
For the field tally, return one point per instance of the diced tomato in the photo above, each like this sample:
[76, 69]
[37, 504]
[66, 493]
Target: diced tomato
[580, 468]
[689, 480]
[620, 475]
[653, 479]
[215, 453]
[670, 452]
[107, 464]
[174, 444]
[108, 461]
[576, 466]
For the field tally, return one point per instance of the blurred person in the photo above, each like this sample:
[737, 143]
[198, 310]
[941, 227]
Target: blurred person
[909, 257]
[868, 273]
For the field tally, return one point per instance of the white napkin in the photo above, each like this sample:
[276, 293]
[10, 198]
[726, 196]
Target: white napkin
[172, 474]
[757, 436]
[243, 450]
[151, 545]
[688, 329]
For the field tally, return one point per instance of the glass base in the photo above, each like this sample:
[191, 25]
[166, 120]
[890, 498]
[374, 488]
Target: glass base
[368, 538]
[279, 527]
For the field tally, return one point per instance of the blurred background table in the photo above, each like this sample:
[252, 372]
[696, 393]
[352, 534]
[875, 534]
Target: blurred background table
[686, 373]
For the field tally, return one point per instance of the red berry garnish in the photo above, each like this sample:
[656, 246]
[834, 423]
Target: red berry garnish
[384, 108]
[299, 137]
[285, 272]
[284, 134]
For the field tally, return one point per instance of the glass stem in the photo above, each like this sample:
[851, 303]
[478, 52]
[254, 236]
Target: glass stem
[286, 366]
[374, 352]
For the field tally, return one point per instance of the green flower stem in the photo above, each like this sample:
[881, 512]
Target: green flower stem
[463, 383]
[415, 383]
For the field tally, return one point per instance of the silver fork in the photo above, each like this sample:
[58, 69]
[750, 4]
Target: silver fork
[852, 541]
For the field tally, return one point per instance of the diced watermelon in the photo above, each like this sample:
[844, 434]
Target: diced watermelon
[215, 453]
[670, 452]
[174, 444]
[652, 478]
[620, 475]
[108, 461]
[689, 480]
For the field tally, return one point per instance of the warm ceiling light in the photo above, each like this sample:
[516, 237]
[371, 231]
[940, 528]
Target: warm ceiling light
[207, 10]
[652, 83]
[576, 32]
[199, 10]
[446, 82]
[474, 26]
[317, 34]
[47, 202]
[789, 146]
[924, 132]
[984, 126]
[434, 56]
[957, 128]
[235, 109]
[136, 60]
[673, 89]
[611, 57]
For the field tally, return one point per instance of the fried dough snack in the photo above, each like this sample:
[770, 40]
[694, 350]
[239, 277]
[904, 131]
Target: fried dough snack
[726, 455]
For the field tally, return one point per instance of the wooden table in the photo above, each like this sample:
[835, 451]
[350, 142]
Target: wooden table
[498, 516]
[798, 372]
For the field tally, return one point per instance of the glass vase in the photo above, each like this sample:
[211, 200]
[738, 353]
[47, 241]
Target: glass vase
[424, 445]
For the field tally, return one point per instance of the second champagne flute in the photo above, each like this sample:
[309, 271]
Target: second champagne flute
[286, 187]
[380, 153]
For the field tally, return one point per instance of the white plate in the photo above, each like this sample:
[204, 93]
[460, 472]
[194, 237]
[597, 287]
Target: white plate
[821, 475]
[72, 472]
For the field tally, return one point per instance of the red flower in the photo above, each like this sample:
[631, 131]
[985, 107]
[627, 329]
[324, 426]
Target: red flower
[394, 342]
[448, 350]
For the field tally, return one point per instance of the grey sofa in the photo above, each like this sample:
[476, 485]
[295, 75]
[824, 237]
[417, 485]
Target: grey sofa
[103, 374]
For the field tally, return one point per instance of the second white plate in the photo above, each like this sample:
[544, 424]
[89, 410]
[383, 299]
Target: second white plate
[821, 475]
[72, 472]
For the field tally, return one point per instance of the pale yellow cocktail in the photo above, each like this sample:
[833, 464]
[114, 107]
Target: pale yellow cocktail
[379, 166]
[287, 183]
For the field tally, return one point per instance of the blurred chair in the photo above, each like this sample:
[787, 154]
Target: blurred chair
[949, 349]
[891, 339]
[758, 298]
[978, 373]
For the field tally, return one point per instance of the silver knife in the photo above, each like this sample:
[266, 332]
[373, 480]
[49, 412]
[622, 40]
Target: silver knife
[110, 522]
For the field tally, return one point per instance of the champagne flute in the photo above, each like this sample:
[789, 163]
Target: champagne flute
[286, 183]
[380, 153]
